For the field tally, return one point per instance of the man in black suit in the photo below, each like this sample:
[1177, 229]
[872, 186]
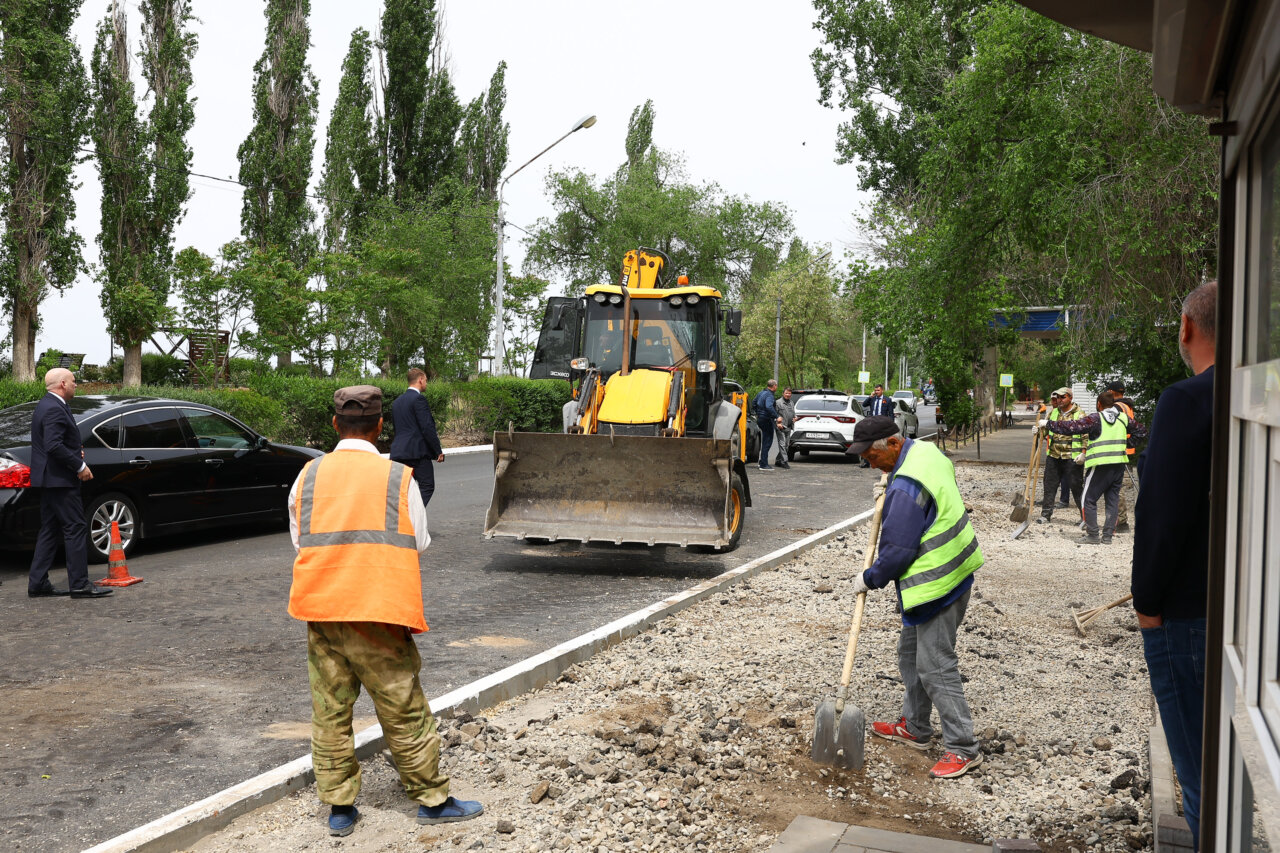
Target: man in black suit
[415, 443]
[57, 470]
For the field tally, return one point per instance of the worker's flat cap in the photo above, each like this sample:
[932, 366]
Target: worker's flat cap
[1115, 387]
[1063, 392]
[870, 430]
[358, 400]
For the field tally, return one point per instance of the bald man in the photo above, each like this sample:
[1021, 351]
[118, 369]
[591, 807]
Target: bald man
[57, 470]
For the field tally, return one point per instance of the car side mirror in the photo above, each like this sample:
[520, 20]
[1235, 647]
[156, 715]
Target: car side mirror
[262, 443]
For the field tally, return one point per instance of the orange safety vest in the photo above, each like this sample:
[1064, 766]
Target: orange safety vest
[1128, 436]
[357, 555]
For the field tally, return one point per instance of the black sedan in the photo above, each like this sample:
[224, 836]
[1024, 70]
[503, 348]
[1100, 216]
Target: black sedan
[159, 467]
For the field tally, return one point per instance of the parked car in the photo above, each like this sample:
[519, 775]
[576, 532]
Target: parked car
[159, 467]
[909, 396]
[904, 413]
[824, 422]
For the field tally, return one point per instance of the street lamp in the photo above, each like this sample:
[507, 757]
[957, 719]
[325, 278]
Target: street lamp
[777, 323]
[500, 341]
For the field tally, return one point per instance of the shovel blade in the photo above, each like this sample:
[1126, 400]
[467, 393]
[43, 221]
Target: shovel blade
[1019, 499]
[1020, 513]
[1022, 528]
[839, 740]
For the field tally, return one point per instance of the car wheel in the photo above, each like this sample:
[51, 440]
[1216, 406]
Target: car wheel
[100, 513]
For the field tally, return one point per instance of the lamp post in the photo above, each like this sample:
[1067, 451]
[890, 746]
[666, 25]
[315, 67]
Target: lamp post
[777, 323]
[500, 331]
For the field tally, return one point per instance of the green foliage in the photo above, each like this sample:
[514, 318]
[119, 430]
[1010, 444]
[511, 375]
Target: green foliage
[351, 177]
[717, 240]
[214, 297]
[491, 403]
[44, 103]
[13, 393]
[482, 138]
[1043, 172]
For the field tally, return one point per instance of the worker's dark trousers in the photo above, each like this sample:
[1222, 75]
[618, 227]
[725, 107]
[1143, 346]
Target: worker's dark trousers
[1065, 472]
[1102, 481]
[766, 425]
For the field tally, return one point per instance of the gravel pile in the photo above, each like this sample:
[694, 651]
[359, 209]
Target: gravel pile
[696, 735]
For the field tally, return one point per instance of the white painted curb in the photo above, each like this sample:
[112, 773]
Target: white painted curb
[185, 826]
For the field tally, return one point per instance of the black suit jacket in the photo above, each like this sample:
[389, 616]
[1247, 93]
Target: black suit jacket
[55, 444]
[415, 436]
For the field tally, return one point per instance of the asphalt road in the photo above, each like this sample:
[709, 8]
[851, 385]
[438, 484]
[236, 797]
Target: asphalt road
[114, 712]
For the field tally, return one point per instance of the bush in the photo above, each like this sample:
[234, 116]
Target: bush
[490, 404]
[12, 393]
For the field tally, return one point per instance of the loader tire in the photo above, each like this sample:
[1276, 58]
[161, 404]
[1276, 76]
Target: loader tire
[737, 511]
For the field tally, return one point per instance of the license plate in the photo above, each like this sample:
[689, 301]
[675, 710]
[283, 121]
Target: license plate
[817, 435]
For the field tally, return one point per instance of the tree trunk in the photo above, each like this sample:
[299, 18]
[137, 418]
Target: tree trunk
[284, 359]
[132, 366]
[24, 343]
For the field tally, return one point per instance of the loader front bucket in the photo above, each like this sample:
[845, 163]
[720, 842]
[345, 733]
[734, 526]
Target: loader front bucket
[602, 488]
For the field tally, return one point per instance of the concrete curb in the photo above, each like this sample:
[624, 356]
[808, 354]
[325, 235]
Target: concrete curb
[471, 448]
[185, 826]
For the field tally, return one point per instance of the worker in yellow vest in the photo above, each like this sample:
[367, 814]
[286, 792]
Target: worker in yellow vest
[1104, 462]
[1060, 465]
[358, 526]
[1125, 405]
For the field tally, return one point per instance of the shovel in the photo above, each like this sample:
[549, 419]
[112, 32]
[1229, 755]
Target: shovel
[839, 730]
[1033, 476]
[1020, 504]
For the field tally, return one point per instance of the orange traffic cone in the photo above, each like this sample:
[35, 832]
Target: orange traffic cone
[117, 569]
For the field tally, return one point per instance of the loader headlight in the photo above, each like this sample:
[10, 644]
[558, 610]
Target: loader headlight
[692, 298]
[676, 301]
[706, 366]
[615, 299]
[580, 364]
[600, 298]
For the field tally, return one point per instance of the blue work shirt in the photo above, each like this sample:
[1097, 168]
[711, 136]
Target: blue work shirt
[908, 512]
[766, 405]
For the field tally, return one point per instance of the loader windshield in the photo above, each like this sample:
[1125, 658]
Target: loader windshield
[662, 335]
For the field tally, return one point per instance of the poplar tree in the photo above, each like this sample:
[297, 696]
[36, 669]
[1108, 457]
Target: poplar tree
[275, 158]
[44, 104]
[482, 138]
[143, 165]
[350, 179]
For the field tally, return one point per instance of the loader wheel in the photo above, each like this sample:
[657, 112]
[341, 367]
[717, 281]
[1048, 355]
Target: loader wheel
[737, 511]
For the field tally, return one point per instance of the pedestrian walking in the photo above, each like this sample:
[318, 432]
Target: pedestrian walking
[1171, 546]
[57, 470]
[358, 529]
[415, 442]
[1060, 465]
[929, 550]
[768, 419]
[787, 412]
[1104, 462]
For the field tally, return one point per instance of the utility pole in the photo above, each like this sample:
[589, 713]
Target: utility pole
[864, 357]
[887, 384]
[777, 336]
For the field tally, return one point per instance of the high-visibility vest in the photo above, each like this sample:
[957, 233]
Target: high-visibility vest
[1109, 447]
[1066, 445]
[1128, 411]
[949, 550]
[357, 553]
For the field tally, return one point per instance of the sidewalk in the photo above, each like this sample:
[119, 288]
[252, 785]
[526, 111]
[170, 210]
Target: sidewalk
[1010, 446]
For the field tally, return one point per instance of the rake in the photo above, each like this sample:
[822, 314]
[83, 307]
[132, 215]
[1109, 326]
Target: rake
[1084, 617]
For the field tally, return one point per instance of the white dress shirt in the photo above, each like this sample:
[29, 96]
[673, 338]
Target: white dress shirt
[417, 512]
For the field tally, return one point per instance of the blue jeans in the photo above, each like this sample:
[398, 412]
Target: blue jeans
[766, 425]
[1175, 654]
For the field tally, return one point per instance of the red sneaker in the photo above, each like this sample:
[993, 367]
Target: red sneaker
[953, 765]
[898, 731]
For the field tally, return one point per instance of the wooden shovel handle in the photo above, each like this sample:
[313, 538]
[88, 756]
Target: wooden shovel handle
[1031, 464]
[862, 596]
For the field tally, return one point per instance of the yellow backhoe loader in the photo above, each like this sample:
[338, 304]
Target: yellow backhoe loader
[655, 439]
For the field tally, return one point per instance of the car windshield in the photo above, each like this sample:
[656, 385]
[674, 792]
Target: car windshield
[811, 405]
[663, 335]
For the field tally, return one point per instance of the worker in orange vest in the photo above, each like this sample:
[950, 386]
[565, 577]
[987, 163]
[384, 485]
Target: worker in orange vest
[358, 528]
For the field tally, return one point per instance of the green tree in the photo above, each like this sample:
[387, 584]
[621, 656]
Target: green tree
[482, 138]
[350, 180]
[143, 168]
[275, 158]
[214, 299]
[719, 241]
[45, 104]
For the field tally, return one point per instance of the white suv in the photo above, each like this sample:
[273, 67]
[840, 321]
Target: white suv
[904, 412]
[824, 422]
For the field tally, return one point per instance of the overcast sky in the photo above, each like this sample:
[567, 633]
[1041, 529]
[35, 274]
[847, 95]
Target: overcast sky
[731, 83]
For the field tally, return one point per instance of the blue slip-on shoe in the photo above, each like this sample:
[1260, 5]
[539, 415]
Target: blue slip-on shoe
[451, 810]
[342, 820]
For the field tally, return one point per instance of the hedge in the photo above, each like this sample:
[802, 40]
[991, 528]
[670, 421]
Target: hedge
[299, 409]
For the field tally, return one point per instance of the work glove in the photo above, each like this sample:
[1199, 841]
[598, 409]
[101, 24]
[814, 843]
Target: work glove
[1079, 460]
[859, 584]
[877, 491]
[1043, 424]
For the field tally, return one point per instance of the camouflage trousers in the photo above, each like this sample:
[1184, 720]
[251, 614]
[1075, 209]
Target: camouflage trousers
[342, 656]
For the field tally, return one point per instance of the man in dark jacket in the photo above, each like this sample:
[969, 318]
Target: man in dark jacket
[415, 442]
[768, 419]
[878, 405]
[57, 470]
[1171, 545]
